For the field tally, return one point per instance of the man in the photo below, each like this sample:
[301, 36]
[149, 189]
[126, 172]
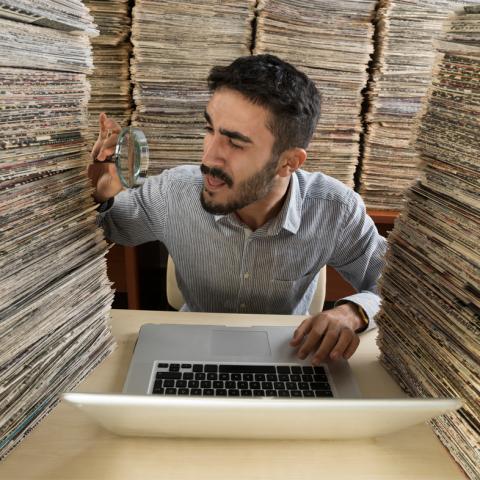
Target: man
[249, 230]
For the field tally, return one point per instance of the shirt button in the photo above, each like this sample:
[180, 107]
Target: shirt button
[246, 275]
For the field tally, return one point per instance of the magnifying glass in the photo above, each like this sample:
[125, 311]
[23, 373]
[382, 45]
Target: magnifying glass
[131, 157]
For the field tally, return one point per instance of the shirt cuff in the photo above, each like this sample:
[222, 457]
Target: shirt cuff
[105, 206]
[368, 301]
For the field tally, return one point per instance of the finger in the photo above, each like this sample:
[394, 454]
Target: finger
[328, 341]
[111, 125]
[344, 339]
[314, 337]
[301, 331]
[351, 349]
[108, 148]
[101, 135]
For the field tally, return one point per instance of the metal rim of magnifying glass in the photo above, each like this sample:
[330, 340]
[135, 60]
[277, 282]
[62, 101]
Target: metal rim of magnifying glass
[140, 154]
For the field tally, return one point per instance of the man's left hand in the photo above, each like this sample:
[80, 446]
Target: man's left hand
[331, 334]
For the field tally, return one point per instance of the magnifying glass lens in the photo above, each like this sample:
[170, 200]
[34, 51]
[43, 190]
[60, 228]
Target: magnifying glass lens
[131, 156]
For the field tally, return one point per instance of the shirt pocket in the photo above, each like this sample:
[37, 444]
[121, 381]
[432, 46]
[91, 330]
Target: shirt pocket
[286, 296]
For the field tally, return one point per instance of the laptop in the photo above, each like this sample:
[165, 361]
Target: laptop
[243, 382]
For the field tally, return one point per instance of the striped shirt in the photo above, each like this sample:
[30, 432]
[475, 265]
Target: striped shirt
[222, 266]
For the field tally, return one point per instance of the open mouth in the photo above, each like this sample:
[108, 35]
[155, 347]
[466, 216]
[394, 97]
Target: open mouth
[213, 183]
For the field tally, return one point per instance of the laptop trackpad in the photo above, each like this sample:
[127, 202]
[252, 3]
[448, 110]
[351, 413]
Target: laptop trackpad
[239, 343]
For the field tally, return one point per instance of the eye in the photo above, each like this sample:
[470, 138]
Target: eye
[234, 145]
[208, 129]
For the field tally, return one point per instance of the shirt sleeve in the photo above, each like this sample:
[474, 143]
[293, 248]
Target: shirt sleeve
[137, 215]
[359, 257]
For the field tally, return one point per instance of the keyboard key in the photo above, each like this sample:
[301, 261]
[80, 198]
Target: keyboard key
[168, 383]
[171, 391]
[247, 369]
[242, 385]
[307, 378]
[246, 393]
[258, 393]
[323, 393]
[224, 376]
[259, 377]
[296, 369]
[200, 376]
[230, 385]
[272, 378]
[195, 392]
[320, 378]
[162, 365]
[186, 365]
[158, 384]
[267, 385]
[208, 392]
[283, 393]
[211, 368]
[220, 392]
[291, 385]
[236, 376]
[217, 384]
[308, 393]
[255, 385]
[183, 391]
[169, 375]
[197, 368]
[283, 369]
[248, 377]
[284, 378]
[320, 386]
[278, 385]
[271, 393]
[308, 370]
[295, 378]
[296, 393]
[158, 391]
[304, 386]
[212, 376]
[181, 383]
[319, 370]
[206, 384]
[193, 384]
[174, 367]
[187, 376]
[234, 393]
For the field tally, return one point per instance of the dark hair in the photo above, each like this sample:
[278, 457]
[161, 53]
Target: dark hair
[290, 96]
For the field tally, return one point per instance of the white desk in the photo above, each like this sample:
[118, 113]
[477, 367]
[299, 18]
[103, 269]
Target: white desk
[66, 445]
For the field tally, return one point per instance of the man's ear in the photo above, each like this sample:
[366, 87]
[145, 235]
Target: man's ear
[291, 160]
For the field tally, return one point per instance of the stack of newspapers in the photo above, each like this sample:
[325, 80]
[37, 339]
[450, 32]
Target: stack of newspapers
[110, 81]
[401, 75]
[175, 45]
[429, 322]
[331, 41]
[54, 293]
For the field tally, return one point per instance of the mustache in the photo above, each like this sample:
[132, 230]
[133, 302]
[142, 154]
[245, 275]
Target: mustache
[216, 172]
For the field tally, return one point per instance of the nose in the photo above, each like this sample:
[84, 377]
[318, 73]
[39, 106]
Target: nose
[212, 151]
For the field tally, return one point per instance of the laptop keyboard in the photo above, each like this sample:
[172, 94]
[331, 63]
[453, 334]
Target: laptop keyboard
[226, 380]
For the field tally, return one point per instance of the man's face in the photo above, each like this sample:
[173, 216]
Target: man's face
[237, 164]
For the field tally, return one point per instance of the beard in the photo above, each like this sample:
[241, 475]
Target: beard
[248, 191]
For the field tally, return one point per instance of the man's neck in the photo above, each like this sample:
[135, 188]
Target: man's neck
[259, 213]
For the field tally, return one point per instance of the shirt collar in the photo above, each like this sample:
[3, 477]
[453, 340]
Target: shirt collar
[289, 216]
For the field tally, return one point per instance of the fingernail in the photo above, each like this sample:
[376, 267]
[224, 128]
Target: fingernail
[301, 355]
[334, 356]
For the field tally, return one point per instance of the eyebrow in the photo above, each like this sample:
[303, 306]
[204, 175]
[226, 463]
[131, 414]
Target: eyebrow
[228, 133]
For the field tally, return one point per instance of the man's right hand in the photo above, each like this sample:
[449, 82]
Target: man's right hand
[102, 173]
